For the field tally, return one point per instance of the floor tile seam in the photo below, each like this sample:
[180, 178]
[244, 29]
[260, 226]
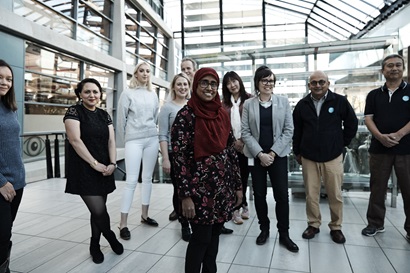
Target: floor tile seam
[53, 239]
[357, 210]
[237, 251]
[348, 258]
[48, 260]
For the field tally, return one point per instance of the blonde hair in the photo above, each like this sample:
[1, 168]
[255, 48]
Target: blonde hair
[172, 94]
[134, 82]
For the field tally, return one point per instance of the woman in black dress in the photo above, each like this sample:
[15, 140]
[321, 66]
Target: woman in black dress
[91, 162]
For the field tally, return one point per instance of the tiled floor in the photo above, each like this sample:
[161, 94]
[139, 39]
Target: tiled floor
[51, 234]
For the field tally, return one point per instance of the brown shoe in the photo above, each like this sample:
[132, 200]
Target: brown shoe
[310, 232]
[337, 236]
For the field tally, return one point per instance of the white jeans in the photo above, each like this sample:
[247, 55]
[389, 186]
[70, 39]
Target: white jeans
[145, 149]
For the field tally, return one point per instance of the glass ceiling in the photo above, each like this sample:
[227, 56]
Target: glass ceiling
[209, 25]
[292, 37]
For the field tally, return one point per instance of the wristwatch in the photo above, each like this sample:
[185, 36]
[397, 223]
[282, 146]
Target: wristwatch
[115, 164]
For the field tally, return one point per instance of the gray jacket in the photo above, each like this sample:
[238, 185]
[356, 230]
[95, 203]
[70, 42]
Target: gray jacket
[282, 124]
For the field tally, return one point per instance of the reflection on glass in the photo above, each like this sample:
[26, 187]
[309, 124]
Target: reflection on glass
[144, 41]
[45, 16]
[51, 78]
[92, 40]
[96, 15]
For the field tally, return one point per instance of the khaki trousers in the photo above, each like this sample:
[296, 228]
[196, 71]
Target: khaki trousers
[331, 173]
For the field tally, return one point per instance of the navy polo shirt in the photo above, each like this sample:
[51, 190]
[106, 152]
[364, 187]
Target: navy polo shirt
[390, 114]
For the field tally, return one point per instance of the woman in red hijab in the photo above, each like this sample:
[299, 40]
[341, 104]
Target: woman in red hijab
[206, 169]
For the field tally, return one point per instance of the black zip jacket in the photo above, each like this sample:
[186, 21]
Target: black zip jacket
[323, 138]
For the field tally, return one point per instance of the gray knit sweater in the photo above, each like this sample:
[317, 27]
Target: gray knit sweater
[11, 164]
[137, 114]
[165, 120]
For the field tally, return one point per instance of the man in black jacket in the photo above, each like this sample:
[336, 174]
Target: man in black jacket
[325, 123]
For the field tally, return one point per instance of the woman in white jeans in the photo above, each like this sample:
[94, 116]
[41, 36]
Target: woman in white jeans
[137, 125]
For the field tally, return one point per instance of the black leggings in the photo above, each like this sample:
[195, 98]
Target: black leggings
[100, 220]
[8, 212]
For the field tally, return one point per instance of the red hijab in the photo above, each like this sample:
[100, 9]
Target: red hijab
[212, 125]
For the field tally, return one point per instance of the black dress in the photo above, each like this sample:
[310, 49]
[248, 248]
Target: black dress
[82, 179]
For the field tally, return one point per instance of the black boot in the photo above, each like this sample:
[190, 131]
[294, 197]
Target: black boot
[4, 267]
[285, 240]
[8, 257]
[95, 251]
[114, 243]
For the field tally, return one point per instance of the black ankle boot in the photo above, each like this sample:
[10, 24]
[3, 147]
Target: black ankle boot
[95, 251]
[285, 240]
[116, 246]
[4, 267]
[8, 257]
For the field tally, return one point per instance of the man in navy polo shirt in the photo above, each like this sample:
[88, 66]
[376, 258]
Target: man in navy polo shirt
[387, 116]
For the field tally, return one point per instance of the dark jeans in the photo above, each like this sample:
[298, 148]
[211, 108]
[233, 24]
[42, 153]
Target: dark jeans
[278, 174]
[8, 213]
[176, 202]
[380, 169]
[243, 165]
[203, 248]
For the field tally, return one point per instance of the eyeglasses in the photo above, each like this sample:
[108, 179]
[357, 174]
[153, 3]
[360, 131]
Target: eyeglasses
[321, 83]
[266, 82]
[206, 83]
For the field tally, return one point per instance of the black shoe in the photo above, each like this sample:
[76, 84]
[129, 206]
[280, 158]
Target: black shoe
[263, 236]
[337, 236]
[186, 233]
[173, 216]
[95, 251]
[310, 232]
[8, 257]
[116, 246]
[225, 230]
[288, 243]
[4, 267]
[149, 221]
[125, 233]
[371, 231]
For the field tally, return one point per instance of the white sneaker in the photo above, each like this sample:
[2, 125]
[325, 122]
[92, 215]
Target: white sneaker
[237, 218]
[245, 213]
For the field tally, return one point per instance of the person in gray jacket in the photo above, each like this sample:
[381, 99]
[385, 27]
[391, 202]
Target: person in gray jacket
[267, 130]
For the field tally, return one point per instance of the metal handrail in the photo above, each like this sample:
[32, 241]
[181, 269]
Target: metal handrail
[49, 162]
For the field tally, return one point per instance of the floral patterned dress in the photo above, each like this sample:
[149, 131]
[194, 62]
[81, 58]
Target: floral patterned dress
[211, 182]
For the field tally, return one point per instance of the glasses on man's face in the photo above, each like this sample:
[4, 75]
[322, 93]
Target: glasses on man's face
[321, 83]
[206, 83]
[266, 82]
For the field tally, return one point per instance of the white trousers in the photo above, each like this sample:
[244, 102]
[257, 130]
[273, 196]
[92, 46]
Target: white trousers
[145, 150]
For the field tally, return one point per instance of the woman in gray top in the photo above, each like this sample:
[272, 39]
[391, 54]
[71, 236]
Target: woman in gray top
[180, 89]
[137, 126]
[12, 175]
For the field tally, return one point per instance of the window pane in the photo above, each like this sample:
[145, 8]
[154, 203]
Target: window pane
[44, 16]
[94, 21]
[146, 53]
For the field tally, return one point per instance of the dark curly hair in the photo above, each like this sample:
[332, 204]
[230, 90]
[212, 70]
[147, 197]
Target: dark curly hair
[80, 86]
